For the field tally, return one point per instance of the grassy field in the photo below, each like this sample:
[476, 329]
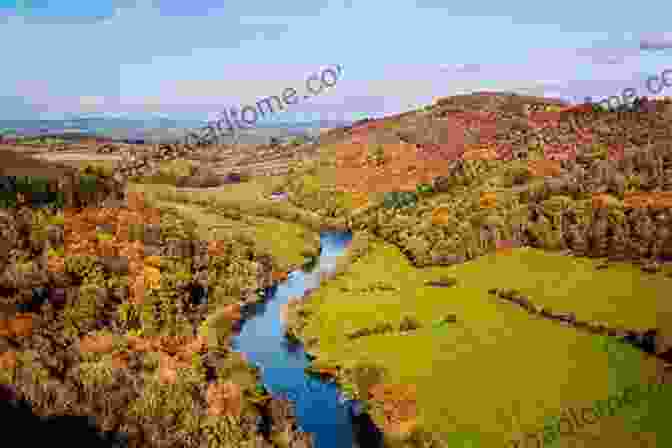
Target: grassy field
[498, 372]
[247, 192]
[212, 209]
[284, 240]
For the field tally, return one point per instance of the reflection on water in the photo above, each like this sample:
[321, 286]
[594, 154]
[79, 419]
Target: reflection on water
[282, 363]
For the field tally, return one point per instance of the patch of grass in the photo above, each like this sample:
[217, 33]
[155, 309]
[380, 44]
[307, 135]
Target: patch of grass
[539, 367]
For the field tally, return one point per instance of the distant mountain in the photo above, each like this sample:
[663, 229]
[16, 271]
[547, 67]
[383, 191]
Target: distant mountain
[153, 128]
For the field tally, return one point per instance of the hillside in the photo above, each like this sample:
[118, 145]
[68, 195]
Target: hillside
[463, 190]
[489, 231]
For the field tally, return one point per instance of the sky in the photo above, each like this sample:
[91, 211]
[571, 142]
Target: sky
[192, 59]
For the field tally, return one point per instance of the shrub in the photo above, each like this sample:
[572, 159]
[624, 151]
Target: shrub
[88, 182]
[382, 328]
[424, 189]
[409, 323]
[399, 199]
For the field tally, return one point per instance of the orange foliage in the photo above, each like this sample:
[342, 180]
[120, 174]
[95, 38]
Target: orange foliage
[648, 200]
[480, 153]
[406, 165]
[224, 399]
[4, 328]
[97, 344]
[20, 325]
[544, 168]
[279, 276]
[80, 238]
[359, 199]
[152, 277]
[168, 367]
[488, 199]
[600, 200]
[8, 360]
[440, 216]
[120, 360]
[217, 248]
[399, 406]
[56, 264]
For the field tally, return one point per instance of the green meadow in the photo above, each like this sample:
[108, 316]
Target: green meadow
[498, 372]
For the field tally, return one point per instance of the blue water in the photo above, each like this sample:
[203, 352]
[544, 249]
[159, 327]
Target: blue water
[318, 407]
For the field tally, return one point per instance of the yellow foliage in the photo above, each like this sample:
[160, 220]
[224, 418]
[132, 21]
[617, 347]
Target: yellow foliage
[152, 277]
[441, 216]
[154, 261]
[488, 200]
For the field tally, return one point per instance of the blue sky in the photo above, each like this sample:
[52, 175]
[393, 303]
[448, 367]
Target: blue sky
[192, 59]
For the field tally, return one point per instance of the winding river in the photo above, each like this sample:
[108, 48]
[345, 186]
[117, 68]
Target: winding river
[319, 407]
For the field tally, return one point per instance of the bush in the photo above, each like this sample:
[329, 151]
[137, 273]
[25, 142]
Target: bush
[424, 189]
[400, 199]
[35, 190]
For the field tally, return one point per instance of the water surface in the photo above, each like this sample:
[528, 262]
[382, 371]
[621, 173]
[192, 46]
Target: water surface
[319, 409]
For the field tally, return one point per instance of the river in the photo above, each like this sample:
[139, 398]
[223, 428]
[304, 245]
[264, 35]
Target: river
[318, 405]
